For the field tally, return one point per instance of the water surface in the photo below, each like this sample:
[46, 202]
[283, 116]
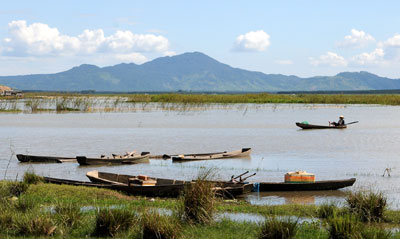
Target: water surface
[363, 150]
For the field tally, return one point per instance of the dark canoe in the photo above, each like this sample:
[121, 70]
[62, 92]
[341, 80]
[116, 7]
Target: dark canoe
[316, 186]
[75, 183]
[312, 126]
[163, 187]
[244, 152]
[43, 159]
[142, 158]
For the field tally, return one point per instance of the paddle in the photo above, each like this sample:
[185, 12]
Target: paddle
[352, 122]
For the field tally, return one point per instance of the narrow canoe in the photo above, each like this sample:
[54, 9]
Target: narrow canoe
[312, 126]
[315, 186]
[142, 158]
[244, 152]
[75, 183]
[43, 159]
[163, 187]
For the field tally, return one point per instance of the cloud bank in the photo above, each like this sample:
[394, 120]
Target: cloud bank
[39, 39]
[252, 41]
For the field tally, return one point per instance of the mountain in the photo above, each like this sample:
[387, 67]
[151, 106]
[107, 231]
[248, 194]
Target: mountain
[190, 72]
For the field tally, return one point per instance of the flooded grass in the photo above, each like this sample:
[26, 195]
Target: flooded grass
[67, 102]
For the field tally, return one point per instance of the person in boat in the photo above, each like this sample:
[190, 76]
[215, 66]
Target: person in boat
[340, 121]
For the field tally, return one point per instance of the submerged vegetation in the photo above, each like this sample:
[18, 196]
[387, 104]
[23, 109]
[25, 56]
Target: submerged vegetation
[63, 211]
[65, 102]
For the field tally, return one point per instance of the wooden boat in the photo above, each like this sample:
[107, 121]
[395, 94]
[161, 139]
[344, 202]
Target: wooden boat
[131, 159]
[244, 152]
[311, 186]
[43, 159]
[75, 183]
[312, 126]
[161, 187]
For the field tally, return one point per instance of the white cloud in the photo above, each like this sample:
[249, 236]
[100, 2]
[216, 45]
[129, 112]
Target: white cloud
[357, 39]
[284, 62]
[252, 41]
[328, 59]
[393, 42]
[373, 58]
[39, 39]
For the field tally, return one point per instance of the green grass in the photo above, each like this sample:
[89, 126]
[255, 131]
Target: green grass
[46, 209]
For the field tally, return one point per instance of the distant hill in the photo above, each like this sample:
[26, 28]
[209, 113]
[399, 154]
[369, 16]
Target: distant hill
[191, 72]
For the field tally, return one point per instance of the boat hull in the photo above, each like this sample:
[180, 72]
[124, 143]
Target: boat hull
[43, 159]
[83, 160]
[244, 152]
[164, 187]
[315, 186]
[311, 126]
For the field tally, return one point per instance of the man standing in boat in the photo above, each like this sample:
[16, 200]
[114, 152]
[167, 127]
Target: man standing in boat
[339, 123]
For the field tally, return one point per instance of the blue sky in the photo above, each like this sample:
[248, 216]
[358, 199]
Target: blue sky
[304, 38]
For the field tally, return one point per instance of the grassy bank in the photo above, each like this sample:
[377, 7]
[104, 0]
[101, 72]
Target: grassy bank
[259, 98]
[33, 209]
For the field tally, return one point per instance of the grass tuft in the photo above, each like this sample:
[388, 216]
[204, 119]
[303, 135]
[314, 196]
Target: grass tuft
[16, 188]
[343, 227]
[198, 200]
[68, 214]
[32, 178]
[109, 222]
[160, 227]
[369, 206]
[274, 229]
[30, 224]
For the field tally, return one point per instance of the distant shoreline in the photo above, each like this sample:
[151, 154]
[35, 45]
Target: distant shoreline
[386, 98]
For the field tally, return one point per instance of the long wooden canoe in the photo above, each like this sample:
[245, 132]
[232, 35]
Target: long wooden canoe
[312, 126]
[143, 157]
[244, 152]
[315, 186]
[75, 183]
[163, 187]
[43, 159]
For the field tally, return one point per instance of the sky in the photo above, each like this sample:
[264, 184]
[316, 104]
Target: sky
[303, 38]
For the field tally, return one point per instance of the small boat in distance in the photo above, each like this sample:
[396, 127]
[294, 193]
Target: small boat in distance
[24, 158]
[306, 125]
[116, 159]
[312, 126]
[244, 152]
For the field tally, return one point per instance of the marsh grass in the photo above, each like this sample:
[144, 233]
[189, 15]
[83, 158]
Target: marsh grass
[369, 206]
[197, 205]
[160, 226]
[274, 228]
[344, 227]
[327, 211]
[375, 233]
[34, 105]
[31, 178]
[34, 224]
[109, 222]
[68, 214]
[16, 188]
[24, 204]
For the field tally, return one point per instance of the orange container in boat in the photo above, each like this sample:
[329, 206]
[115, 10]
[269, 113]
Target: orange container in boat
[143, 177]
[299, 177]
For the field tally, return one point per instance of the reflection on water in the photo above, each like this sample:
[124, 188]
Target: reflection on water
[363, 150]
[310, 197]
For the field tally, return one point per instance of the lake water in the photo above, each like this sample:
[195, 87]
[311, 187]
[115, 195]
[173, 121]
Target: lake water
[362, 150]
